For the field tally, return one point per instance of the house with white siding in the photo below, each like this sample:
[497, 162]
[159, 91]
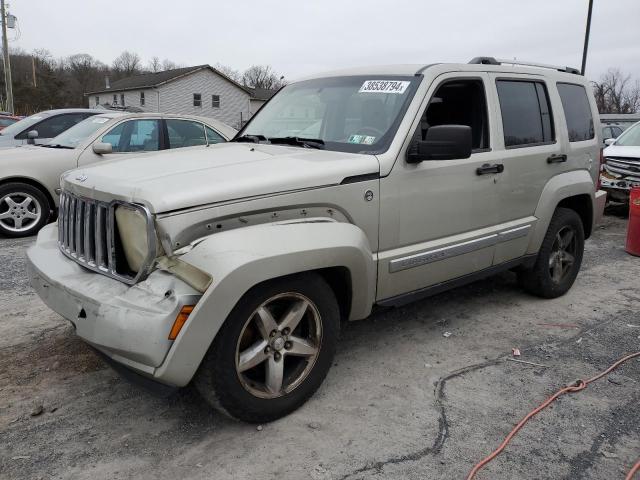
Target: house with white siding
[201, 90]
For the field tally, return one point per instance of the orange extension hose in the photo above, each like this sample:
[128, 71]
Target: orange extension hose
[633, 471]
[575, 387]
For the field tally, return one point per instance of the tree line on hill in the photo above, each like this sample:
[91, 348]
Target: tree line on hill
[42, 82]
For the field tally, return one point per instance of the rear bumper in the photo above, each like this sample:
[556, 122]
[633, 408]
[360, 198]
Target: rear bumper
[129, 324]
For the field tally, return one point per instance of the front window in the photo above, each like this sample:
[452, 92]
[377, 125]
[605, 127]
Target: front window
[630, 137]
[79, 132]
[349, 114]
[134, 136]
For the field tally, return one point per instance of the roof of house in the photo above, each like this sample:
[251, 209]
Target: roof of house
[263, 93]
[151, 79]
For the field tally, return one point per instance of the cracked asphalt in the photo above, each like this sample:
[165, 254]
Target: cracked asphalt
[402, 401]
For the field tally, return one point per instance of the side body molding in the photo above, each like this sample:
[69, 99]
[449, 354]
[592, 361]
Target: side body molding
[564, 185]
[239, 259]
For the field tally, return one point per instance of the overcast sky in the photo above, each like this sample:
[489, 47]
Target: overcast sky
[299, 37]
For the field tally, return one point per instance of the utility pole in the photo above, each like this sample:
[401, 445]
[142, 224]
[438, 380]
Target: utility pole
[7, 62]
[586, 38]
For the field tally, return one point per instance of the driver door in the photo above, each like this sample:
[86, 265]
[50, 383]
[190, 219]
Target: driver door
[438, 218]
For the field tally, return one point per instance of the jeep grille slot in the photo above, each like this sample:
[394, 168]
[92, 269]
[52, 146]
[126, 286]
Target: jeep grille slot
[87, 233]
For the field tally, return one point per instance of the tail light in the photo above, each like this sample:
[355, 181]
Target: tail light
[600, 169]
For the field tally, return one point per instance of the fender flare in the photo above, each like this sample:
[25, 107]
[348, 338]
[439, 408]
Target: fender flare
[560, 187]
[239, 259]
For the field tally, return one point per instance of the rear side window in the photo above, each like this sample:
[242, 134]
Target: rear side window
[577, 111]
[526, 114]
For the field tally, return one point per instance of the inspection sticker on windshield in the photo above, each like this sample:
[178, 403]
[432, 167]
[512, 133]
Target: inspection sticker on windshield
[384, 86]
[365, 139]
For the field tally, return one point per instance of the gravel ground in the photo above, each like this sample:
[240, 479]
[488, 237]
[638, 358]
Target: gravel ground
[401, 402]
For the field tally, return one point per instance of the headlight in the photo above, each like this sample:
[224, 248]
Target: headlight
[134, 235]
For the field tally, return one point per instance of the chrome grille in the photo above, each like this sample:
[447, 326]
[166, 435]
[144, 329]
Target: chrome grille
[88, 235]
[629, 167]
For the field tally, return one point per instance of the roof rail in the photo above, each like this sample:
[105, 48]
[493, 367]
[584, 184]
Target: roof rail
[500, 61]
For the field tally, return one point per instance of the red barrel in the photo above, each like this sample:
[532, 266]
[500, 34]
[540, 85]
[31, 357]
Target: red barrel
[633, 230]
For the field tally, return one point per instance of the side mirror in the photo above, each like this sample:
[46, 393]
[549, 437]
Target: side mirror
[443, 142]
[31, 137]
[609, 141]
[101, 148]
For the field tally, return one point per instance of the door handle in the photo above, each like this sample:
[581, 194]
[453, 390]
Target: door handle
[488, 168]
[557, 158]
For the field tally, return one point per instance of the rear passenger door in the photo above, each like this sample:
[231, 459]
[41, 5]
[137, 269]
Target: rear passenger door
[530, 152]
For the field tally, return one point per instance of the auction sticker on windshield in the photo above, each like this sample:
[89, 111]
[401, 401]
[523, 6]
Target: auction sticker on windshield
[384, 86]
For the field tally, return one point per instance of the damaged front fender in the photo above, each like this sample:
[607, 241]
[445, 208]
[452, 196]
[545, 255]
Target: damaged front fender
[237, 260]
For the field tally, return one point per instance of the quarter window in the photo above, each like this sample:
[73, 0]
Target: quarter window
[215, 101]
[197, 100]
[577, 111]
[526, 114]
[213, 136]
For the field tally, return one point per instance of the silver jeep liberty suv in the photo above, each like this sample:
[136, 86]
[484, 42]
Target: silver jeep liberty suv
[232, 267]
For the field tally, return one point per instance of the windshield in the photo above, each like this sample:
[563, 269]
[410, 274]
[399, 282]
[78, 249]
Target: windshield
[79, 132]
[24, 124]
[630, 138]
[349, 114]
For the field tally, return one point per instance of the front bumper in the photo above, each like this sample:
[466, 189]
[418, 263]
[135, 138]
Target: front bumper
[618, 188]
[129, 324]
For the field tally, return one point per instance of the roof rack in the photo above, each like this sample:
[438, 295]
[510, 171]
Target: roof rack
[499, 61]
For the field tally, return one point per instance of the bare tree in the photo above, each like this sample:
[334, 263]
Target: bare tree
[169, 64]
[232, 73]
[262, 76]
[615, 93]
[155, 65]
[127, 64]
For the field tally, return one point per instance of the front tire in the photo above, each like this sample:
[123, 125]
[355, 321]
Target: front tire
[24, 210]
[273, 351]
[559, 257]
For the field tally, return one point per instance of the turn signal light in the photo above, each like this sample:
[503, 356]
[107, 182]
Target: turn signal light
[180, 321]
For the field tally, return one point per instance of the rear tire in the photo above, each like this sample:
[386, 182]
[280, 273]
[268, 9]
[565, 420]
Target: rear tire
[559, 257]
[258, 369]
[24, 210]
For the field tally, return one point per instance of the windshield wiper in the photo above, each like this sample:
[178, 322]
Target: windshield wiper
[55, 145]
[299, 141]
[250, 138]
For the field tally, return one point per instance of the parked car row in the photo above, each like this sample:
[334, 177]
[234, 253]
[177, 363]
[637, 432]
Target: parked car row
[30, 174]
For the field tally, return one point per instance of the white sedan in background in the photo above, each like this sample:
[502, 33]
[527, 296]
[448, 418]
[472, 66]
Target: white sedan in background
[30, 175]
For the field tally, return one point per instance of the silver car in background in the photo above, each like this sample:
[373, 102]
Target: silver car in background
[30, 175]
[43, 126]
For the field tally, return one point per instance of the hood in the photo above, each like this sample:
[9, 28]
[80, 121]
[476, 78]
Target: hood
[621, 151]
[174, 179]
[13, 160]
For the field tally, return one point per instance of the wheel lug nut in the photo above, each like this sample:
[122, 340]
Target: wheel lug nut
[287, 345]
[277, 356]
[267, 349]
[273, 333]
[286, 331]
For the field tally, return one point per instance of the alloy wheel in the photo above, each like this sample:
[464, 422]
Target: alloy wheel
[279, 345]
[563, 254]
[19, 212]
